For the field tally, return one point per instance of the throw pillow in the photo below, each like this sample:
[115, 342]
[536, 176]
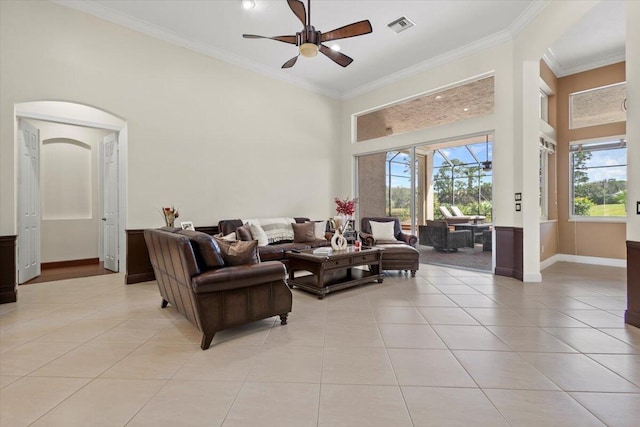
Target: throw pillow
[382, 230]
[244, 233]
[230, 236]
[304, 232]
[205, 249]
[239, 252]
[320, 227]
[258, 234]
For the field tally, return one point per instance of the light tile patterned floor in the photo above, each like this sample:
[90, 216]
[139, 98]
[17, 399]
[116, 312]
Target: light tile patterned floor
[448, 347]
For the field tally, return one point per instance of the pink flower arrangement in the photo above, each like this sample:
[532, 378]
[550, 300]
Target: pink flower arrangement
[346, 207]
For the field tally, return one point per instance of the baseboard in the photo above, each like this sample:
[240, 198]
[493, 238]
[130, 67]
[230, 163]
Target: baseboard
[70, 263]
[7, 297]
[532, 278]
[611, 262]
[501, 271]
[130, 279]
[632, 318]
[549, 261]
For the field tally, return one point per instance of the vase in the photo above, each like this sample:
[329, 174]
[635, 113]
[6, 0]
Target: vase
[338, 241]
[169, 220]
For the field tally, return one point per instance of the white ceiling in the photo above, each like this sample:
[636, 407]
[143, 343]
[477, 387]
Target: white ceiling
[597, 40]
[444, 30]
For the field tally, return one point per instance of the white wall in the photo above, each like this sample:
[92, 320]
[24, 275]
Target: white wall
[633, 119]
[73, 233]
[212, 139]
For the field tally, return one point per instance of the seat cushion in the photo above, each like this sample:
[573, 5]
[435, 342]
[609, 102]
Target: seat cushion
[271, 252]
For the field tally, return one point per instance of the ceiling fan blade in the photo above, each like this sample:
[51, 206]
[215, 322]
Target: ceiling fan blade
[297, 7]
[351, 30]
[284, 39]
[337, 57]
[290, 63]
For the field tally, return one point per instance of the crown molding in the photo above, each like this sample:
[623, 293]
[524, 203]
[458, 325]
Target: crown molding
[527, 16]
[494, 40]
[561, 71]
[144, 27]
[437, 61]
[550, 59]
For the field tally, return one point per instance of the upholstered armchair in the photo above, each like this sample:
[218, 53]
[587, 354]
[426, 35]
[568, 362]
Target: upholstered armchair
[368, 239]
[442, 239]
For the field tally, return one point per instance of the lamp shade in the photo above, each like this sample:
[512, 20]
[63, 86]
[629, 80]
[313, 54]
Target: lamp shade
[308, 50]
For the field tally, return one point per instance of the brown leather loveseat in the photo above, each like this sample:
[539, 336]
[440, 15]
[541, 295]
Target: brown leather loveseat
[192, 277]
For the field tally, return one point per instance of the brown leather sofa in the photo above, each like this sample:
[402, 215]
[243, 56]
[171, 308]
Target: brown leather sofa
[275, 251]
[192, 277]
[398, 255]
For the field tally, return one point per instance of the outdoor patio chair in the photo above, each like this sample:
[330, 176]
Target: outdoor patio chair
[472, 218]
[452, 219]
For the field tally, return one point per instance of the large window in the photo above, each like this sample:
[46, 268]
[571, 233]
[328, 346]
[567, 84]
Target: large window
[462, 177]
[599, 178]
[598, 106]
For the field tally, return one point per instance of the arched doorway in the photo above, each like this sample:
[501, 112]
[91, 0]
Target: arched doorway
[85, 187]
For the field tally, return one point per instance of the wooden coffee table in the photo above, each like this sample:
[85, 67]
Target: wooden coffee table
[334, 270]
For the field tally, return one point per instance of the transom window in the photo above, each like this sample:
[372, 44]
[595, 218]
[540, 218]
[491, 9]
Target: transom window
[598, 106]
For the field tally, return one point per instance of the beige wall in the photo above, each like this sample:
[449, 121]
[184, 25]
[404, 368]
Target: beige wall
[213, 139]
[548, 239]
[598, 239]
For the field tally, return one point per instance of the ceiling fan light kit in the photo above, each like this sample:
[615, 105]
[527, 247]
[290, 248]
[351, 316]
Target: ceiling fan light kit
[309, 41]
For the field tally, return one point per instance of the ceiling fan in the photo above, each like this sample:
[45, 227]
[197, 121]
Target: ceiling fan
[310, 40]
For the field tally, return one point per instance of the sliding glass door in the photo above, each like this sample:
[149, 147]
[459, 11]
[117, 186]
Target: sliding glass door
[411, 183]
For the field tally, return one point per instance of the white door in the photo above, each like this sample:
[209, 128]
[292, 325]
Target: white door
[110, 201]
[29, 202]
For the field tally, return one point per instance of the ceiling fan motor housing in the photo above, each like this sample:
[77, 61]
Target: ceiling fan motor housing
[308, 41]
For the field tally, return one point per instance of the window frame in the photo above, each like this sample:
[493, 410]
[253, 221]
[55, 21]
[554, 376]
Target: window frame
[610, 140]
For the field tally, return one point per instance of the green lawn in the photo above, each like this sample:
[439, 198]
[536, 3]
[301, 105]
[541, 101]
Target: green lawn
[607, 210]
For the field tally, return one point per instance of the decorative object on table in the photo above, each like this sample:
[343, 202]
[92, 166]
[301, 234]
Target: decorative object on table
[170, 215]
[338, 241]
[187, 225]
[345, 209]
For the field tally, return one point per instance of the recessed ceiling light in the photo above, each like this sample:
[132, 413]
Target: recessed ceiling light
[466, 109]
[335, 47]
[248, 4]
[439, 97]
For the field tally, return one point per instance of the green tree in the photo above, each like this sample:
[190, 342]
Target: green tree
[581, 205]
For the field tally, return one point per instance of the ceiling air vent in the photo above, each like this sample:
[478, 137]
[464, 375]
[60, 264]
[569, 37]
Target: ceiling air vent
[400, 24]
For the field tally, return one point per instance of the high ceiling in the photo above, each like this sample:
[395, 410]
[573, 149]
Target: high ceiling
[443, 30]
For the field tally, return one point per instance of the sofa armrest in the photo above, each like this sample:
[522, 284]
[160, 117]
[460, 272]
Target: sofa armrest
[367, 239]
[409, 239]
[238, 276]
